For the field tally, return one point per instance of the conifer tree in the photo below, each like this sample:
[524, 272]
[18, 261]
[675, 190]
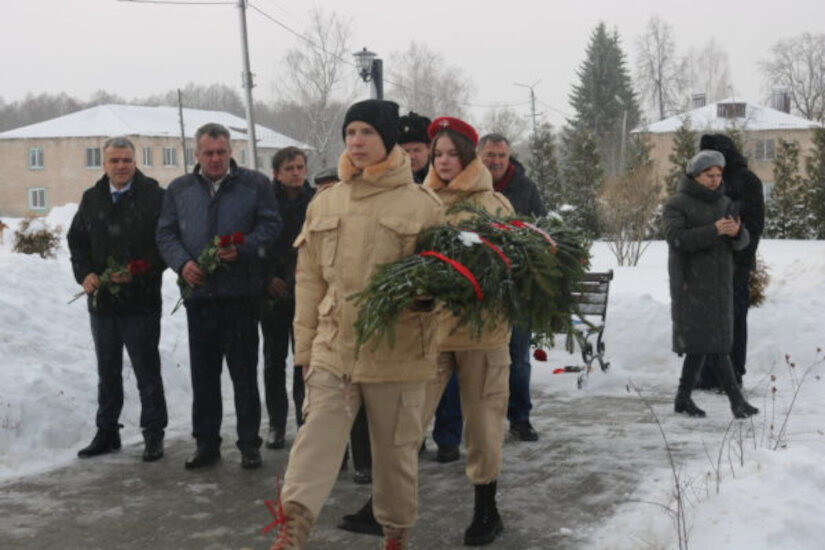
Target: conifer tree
[815, 171]
[604, 100]
[543, 168]
[785, 217]
[582, 181]
[685, 142]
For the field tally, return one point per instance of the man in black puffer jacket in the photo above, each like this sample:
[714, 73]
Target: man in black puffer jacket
[510, 180]
[116, 222]
[744, 188]
[293, 193]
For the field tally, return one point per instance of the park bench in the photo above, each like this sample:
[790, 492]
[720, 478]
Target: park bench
[589, 313]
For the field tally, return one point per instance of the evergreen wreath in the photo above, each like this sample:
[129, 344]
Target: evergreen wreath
[482, 269]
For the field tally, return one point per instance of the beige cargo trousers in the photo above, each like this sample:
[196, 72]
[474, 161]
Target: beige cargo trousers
[394, 413]
[484, 387]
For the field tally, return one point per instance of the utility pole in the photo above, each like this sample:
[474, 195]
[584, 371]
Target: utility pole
[182, 132]
[533, 114]
[247, 84]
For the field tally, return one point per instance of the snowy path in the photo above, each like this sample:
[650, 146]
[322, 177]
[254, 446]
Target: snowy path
[591, 456]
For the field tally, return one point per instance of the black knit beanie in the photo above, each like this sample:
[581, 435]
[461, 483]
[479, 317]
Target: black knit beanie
[378, 113]
[412, 128]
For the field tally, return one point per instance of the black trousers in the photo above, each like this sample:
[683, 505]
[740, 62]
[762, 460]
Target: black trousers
[276, 327]
[140, 335]
[224, 328]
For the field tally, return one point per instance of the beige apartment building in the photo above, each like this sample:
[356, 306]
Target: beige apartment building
[51, 163]
[761, 126]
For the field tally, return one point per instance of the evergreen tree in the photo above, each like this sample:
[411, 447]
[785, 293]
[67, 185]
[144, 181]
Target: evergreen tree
[543, 168]
[582, 181]
[685, 143]
[785, 217]
[815, 171]
[604, 100]
[638, 153]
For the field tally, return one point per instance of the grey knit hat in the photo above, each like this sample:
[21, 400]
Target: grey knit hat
[703, 160]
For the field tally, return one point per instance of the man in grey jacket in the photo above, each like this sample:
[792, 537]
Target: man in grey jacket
[219, 199]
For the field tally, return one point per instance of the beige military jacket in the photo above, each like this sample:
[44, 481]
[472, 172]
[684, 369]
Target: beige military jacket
[370, 217]
[474, 184]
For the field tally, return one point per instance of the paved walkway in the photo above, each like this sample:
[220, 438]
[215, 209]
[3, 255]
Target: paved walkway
[551, 493]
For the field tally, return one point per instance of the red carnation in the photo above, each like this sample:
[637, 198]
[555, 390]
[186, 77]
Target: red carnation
[225, 241]
[238, 238]
[137, 267]
[539, 354]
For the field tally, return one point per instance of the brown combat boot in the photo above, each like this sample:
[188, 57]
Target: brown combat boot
[396, 538]
[294, 522]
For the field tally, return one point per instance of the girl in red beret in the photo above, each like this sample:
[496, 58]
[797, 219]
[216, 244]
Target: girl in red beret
[482, 365]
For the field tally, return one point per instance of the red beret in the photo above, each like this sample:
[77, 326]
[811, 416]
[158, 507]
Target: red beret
[456, 125]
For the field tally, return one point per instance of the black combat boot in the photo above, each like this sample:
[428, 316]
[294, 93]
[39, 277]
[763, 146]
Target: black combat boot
[153, 448]
[738, 405]
[486, 523]
[105, 441]
[691, 369]
[362, 521]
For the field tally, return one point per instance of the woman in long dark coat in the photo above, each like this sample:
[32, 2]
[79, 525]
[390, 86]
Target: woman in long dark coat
[702, 232]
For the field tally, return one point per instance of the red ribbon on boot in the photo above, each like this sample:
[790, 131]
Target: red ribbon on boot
[458, 267]
[276, 509]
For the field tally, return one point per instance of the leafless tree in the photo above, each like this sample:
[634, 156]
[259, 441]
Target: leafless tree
[708, 72]
[627, 206]
[798, 64]
[659, 72]
[421, 81]
[505, 121]
[320, 81]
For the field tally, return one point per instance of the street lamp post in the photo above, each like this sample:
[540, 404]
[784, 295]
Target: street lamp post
[371, 69]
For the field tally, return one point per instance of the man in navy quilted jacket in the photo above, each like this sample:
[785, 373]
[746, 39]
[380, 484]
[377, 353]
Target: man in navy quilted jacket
[218, 199]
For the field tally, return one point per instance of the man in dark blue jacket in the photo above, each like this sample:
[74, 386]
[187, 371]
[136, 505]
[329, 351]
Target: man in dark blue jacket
[293, 193]
[510, 180]
[115, 223]
[219, 198]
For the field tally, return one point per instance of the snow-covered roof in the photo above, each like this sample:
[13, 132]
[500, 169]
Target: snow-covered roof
[757, 117]
[137, 120]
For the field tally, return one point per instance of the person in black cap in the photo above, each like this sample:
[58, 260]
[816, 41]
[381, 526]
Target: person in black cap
[371, 217]
[412, 137]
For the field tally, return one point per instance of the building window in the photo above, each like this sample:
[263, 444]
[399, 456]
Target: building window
[243, 157]
[36, 158]
[93, 157]
[767, 189]
[764, 150]
[730, 110]
[170, 156]
[147, 156]
[190, 156]
[37, 198]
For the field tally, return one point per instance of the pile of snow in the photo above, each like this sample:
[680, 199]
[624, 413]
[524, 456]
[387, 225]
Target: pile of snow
[773, 499]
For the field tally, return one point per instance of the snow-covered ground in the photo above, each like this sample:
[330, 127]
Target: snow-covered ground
[766, 498]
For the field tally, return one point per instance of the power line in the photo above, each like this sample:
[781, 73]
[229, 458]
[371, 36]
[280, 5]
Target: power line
[180, 2]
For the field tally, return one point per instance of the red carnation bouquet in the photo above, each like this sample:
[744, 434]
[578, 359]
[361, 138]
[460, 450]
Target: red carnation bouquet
[209, 262]
[132, 268]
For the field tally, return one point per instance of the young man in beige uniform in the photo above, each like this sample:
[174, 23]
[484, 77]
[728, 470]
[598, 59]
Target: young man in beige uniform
[372, 216]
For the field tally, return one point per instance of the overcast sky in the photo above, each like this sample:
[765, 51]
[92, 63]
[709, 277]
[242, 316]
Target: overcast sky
[137, 49]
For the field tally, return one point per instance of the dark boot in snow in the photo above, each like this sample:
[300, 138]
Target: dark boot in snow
[105, 441]
[486, 523]
[362, 521]
[690, 373]
[738, 405]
